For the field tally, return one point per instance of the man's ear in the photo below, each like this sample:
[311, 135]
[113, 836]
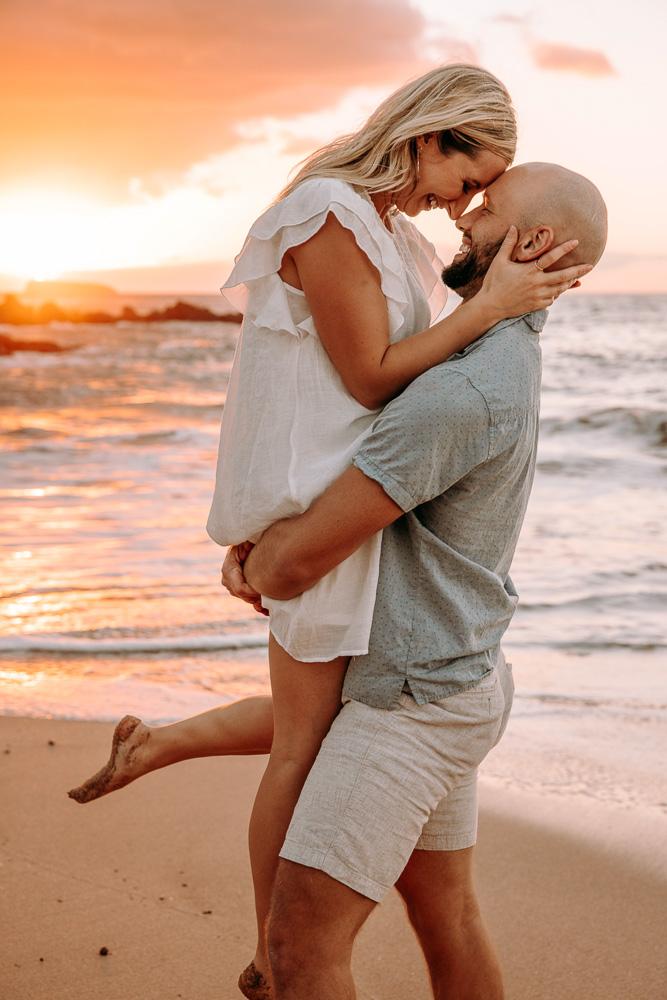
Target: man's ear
[533, 243]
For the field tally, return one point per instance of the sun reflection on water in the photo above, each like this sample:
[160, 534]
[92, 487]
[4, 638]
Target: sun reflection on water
[20, 678]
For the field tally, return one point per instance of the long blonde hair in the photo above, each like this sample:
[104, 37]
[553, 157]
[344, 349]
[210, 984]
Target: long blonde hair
[467, 107]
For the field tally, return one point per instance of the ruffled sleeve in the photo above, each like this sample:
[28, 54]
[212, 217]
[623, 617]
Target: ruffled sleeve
[428, 267]
[254, 287]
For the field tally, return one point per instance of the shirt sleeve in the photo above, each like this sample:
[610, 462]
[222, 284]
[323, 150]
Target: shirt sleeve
[428, 438]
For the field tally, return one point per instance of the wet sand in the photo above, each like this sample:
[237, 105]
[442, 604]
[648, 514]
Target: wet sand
[158, 875]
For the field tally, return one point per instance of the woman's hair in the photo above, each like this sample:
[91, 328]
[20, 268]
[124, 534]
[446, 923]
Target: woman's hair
[467, 107]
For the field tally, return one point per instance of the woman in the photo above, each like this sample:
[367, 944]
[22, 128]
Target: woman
[339, 293]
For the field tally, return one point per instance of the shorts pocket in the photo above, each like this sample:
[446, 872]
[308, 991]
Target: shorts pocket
[485, 685]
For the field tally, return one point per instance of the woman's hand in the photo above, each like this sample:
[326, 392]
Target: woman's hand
[234, 581]
[512, 289]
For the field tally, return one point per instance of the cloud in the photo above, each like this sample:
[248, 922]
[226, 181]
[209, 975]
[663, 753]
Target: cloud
[446, 49]
[569, 59]
[510, 18]
[120, 89]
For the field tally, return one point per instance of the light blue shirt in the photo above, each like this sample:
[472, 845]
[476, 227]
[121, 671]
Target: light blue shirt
[456, 451]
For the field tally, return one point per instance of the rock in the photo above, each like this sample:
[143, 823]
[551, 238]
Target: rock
[9, 345]
[12, 310]
[186, 311]
[49, 312]
[94, 317]
[17, 313]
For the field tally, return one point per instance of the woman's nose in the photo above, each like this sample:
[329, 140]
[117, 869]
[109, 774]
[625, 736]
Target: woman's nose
[458, 207]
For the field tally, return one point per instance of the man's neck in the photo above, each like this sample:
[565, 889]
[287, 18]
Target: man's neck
[469, 290]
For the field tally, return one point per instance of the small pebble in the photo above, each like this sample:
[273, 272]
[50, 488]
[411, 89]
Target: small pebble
[104, 951]
[160, 897]
[184, 885]
[8, 750]
[206, 912]
[51, 743]
[41, 959]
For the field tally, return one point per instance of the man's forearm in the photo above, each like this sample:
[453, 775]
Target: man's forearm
[267, 572]
[293, 554]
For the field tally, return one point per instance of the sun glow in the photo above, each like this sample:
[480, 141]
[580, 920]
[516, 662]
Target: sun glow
[46, 232]
[49, 233]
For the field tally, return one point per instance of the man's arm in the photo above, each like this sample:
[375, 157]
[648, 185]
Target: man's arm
[293, 554]
[423, 442]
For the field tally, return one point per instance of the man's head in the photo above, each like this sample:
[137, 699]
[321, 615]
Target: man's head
[548, 204]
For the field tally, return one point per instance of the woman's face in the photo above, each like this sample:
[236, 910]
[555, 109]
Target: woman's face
[448, 181]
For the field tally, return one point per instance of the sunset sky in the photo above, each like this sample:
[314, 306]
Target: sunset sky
[140, 138]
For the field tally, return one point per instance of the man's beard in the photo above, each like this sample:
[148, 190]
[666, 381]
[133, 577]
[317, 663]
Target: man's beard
[466, 276]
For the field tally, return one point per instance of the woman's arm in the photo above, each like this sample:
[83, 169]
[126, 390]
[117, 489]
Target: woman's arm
[350, 311]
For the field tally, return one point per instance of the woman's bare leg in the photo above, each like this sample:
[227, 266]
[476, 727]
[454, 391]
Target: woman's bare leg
[306, 699]
[244, 727]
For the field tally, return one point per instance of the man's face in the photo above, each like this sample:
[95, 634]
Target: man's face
[484, 229]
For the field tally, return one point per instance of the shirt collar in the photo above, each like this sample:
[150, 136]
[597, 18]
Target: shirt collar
[535, 320]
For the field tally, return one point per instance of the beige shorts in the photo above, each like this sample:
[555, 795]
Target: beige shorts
[387, 782]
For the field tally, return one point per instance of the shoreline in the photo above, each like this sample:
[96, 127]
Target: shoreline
[138, 871]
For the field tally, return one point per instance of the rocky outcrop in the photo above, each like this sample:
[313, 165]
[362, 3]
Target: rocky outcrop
[17, 313]
[9, 345]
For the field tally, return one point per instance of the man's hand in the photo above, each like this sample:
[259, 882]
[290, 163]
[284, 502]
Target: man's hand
[234, 580]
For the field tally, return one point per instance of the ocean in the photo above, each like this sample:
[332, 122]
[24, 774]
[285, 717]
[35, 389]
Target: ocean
[110, 592]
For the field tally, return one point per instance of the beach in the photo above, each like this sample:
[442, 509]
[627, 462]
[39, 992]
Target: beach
[112, 604]
[158, 875]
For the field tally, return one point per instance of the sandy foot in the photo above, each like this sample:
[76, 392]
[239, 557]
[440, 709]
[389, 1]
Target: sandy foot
[253, 985]
[124, 764]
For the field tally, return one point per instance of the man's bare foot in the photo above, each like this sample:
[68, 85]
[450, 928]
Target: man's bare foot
[124, 765]
[253, 984]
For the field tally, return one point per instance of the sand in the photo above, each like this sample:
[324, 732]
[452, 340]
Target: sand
[158, 875]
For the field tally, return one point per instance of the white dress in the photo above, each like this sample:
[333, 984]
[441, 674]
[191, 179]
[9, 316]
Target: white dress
[290, 426]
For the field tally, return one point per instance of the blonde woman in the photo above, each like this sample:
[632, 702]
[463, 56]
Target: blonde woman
[340, 295]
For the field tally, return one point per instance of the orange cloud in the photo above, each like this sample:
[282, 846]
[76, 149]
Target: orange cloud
[569, 59]
[114, 90]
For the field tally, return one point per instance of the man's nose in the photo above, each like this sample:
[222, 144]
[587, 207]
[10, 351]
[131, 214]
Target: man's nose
[464, 222]
[458, 207]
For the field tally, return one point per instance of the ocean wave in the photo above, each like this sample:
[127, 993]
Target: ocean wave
[586, 646]
[110, 590]
[182, 644]
[648, 423]
[613, 703]
[32, 433]
[616, 599]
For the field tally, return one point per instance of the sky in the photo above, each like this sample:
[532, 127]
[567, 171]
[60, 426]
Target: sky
[141, 138]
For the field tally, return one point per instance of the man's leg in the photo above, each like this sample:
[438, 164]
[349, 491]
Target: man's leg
[376, 786]
[313, 924]
[439, 895]
[438, 891]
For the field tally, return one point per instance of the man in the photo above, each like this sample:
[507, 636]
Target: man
[446, 471]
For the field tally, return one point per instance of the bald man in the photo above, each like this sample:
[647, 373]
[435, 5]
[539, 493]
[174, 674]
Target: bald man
[446, 472]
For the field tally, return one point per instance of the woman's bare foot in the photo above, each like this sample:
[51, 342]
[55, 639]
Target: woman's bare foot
[253, 984]
[127, 761]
